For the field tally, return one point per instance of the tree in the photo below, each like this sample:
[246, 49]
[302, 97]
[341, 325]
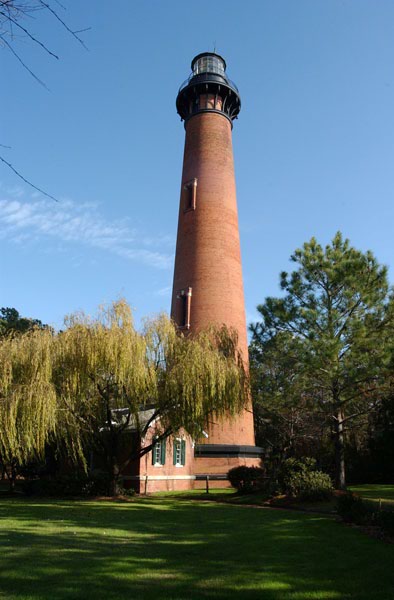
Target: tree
[28, 403]
[336, 319]
[99, 379]
[287, 423]
[107, 376]
[372, 445]
[14, 15]
[19, 404]
[11, 321]
[381, 441]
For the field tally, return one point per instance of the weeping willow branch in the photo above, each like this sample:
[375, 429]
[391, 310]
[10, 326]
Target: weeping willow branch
[100, 377]
[28, 416]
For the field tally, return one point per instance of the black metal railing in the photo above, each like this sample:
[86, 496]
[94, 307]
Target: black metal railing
[203, 76]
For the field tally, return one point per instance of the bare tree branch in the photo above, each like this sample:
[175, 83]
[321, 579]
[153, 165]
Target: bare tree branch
[11, 13]
[54, 13]
[26, 180]
[27, 32]
[24, 65]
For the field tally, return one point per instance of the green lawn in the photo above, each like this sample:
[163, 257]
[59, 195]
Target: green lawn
[158, 548]
[375, 492]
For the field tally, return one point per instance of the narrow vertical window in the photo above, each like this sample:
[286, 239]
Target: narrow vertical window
[179, 457]
[159, 453]
[184, 305]
[189, 195]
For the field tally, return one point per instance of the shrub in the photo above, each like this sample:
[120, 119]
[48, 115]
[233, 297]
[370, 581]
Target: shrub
[97, 484]
[247, 479]
[385, 520]
[67, 486]
[300, 478]
[352, 509]
[128, 492]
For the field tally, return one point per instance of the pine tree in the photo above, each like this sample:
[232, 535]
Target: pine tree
[336, 320]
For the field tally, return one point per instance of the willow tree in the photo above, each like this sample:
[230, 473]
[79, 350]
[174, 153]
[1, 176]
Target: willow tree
[108, 376]
[337, 315]
[28, 404]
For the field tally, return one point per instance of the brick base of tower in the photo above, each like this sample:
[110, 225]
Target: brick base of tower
[230, 443]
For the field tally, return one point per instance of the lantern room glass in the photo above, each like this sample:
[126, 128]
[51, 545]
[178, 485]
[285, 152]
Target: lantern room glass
[209, 64]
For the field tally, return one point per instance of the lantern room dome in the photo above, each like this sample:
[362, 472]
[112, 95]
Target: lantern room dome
[208, 62]
[208, 89]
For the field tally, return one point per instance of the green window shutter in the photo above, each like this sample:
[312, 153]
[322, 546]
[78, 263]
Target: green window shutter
[183, 452]
[163, 452]
[174, 455]
[153, 453]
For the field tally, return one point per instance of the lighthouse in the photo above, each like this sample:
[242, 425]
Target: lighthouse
[208, 286]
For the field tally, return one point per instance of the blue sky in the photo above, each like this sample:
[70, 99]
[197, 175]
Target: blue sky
[313, 145]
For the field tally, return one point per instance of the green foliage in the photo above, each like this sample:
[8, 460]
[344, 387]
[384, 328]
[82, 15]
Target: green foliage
[325, 346]
[351, 508]
[247, 479]
[127, 492]
[103, 366]
[299, 478]
[29, 406]
[99, 379]
[27, 399]
[12, 322]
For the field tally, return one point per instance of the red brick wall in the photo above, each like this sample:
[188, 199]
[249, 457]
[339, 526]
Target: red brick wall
[154, 478]
[208, 257]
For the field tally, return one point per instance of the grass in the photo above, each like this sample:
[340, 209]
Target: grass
[170, 548]
[257, 499]
[375, 492]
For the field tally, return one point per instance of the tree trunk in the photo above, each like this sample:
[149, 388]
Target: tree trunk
[11, 474]
[11, 485]
[340, 476]
[114, 465]
[114, 482]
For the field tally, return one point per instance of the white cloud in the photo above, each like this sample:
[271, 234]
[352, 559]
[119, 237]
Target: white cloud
[30, 220]
[165, 291]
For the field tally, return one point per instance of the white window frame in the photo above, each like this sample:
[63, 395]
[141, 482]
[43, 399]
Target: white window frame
[178, 452]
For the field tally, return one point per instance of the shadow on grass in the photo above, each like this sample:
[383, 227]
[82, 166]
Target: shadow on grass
[168, 548]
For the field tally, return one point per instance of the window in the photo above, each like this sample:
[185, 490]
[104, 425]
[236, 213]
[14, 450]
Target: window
[189, 194]
[209, 64]
[179, 453]
[159, 453]
[210, 101]
[184, 298]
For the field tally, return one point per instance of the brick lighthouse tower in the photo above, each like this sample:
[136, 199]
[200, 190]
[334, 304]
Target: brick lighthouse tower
[208, 284]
